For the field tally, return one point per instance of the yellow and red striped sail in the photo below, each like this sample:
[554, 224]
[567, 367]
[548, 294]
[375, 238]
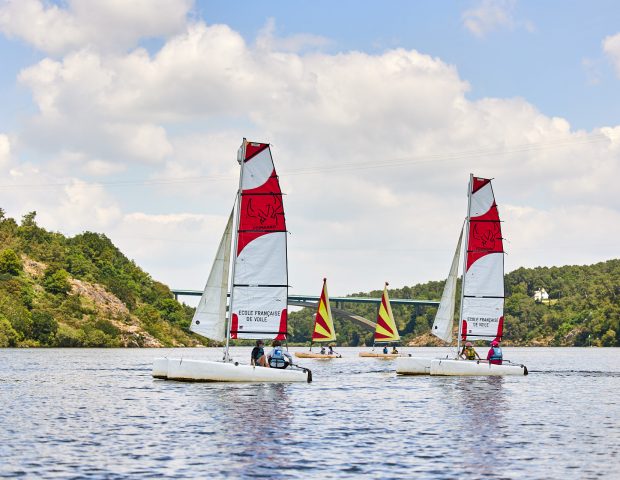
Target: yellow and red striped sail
[323, 322]
[386, 330]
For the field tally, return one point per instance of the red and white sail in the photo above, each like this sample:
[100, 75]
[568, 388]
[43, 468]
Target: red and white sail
[260, 282]
[482, 313]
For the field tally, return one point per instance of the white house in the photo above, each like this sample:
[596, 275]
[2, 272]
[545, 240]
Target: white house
[540, 295]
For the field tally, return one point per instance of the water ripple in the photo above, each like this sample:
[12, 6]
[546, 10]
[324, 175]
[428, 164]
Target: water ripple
[99, 414]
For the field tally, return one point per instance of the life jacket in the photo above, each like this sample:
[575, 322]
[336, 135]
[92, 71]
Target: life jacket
[258, 352]
[277, 359]
[470, 353]
[385, 350]
[497, 354]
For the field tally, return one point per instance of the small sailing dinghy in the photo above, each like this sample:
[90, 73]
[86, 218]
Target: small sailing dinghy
[386, 331]
[482, 295]
[259, 289]
[323, 327]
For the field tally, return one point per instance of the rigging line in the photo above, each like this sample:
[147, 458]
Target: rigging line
[395, 162]
[431, 158]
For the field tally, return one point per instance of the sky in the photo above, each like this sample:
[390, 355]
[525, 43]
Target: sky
[124, 117]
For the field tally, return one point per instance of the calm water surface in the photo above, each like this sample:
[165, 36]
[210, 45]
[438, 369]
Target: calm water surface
[91, 413]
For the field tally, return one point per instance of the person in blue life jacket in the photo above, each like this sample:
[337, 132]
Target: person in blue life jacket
[258, 357]
[322, 350]
[495, 355]
[385, 350]
[278, 357]
[468, 352]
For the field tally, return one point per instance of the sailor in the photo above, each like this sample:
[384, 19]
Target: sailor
[278, 357]
[394, 349]
[258, 355]
[468, 352]
[322, 350]
[331, 349]
[385, 349]
[495, 355]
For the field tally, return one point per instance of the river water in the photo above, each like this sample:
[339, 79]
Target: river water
[97, 413]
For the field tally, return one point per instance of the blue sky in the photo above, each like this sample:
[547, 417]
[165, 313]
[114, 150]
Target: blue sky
[540, 57]
[125, 119]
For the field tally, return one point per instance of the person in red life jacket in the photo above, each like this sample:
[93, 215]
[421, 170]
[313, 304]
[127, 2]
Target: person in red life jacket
[495, 353]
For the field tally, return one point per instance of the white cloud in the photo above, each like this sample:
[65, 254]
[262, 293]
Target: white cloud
[490, 15]
[611, 46]
[104, 24]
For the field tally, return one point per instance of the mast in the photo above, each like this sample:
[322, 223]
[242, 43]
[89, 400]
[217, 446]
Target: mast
[469, 189]
[241, 160]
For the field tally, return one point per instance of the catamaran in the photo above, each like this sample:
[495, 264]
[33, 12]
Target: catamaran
[385, 331]
[482, 295]
[323, 327]
[259, 288]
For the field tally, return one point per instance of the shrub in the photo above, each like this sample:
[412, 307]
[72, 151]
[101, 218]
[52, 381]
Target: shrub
[8, 335]
[44, 327]
[67, 336]
[10, 263]
[57, 282]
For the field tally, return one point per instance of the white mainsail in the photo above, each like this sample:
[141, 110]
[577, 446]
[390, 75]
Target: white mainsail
[259, 292]
[482, 306]
[210, 316]
[444, 319]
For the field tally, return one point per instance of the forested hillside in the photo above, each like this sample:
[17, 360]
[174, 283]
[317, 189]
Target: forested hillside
[80, 292]
[583, 309]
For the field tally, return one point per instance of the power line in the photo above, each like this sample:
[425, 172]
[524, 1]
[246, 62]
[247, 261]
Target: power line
[340, 167]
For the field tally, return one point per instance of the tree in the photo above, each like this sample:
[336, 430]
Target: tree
[8, 335]
[28, 220]
[10, 263]
[57, 282]
[44, 327]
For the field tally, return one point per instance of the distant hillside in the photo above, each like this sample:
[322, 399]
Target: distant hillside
[81, 292]
[583, 309]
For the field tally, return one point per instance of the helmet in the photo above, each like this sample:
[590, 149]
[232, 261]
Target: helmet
[495, 343]
[469, 344]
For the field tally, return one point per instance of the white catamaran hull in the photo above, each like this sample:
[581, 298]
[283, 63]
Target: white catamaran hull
[317, 355]
[387, 356]
[210, 371]
[413, 365]
[453, 367]
[474, 368]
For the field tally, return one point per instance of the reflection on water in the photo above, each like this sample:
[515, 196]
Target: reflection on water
[99, 414]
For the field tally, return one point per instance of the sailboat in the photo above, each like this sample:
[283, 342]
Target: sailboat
[482, 296]
[385, 330]
[259, 280]
[323, 327]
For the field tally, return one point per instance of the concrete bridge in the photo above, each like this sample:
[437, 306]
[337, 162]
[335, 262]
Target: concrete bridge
[312, 301]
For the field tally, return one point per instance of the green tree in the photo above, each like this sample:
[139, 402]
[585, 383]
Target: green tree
[8, 335]
[10, 263]
[57, 282]
[44, 327]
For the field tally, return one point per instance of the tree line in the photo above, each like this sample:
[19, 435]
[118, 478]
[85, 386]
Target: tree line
[53, 293]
